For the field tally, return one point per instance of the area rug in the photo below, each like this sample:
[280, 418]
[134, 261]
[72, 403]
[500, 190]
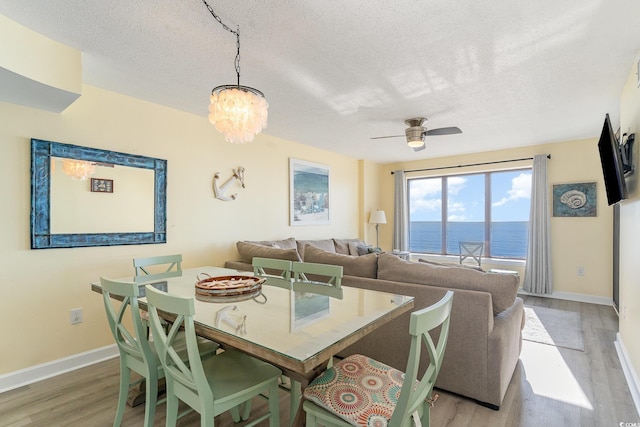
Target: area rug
[550, 326]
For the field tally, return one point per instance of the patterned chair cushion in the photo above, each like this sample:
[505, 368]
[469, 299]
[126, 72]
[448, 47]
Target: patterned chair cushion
[358, 389]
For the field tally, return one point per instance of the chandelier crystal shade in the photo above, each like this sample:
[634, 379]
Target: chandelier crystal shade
[238, 112]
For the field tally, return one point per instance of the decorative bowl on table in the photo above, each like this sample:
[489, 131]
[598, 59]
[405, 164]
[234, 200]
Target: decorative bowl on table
[228, 288]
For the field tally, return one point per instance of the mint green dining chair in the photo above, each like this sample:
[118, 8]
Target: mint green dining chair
[277, 272]
[171, 267]
[136, 353]
[362, 391]
[322, 279]
[148, 269]
[212, 386]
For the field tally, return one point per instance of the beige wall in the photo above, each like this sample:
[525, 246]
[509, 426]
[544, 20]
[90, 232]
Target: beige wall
[371, 198]
[39, 58]
[630, 228]
[585, 242]
[39, 287]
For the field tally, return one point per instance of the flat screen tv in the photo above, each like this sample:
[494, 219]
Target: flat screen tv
[612, 166]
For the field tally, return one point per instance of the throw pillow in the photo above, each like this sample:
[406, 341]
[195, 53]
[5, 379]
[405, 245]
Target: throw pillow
[249, 250]
[359, 248]
[326, 244]
[502, 287]
[361, 266]
[353, 249]
[342, 245]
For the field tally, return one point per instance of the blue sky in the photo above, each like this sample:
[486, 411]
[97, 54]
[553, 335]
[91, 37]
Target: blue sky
[511, 196]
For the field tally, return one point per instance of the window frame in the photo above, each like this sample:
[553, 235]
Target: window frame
[444, 209]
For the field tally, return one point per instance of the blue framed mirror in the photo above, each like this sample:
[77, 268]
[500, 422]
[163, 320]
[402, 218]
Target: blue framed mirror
[83, 196]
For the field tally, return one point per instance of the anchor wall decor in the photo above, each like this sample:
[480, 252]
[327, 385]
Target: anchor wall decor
[238, 174]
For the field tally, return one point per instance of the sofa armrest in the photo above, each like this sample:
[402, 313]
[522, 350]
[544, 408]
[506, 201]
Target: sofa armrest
[471, 316]
[505, 345]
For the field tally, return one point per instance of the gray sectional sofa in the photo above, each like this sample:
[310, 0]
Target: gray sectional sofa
[487, 317]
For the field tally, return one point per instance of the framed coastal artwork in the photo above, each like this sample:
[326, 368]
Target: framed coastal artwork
[574, 200]
[308, 193]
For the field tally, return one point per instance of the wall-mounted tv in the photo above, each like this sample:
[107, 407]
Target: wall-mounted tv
[612, 166]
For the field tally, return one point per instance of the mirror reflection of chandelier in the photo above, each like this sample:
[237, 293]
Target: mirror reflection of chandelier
[78, 169]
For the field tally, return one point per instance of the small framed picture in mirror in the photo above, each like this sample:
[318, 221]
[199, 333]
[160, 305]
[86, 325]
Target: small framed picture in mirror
[100, 185]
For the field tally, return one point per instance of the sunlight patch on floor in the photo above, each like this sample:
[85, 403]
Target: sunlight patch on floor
[550, 376]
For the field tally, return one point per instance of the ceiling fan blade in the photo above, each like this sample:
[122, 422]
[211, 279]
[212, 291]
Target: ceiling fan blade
[390, 136]
[444, 131]
[422, 147]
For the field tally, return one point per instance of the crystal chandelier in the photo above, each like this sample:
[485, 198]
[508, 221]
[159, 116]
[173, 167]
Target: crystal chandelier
[238, 112]
[78, 169]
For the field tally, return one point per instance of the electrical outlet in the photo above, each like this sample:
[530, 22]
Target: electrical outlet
[75, 316]
[580, 271]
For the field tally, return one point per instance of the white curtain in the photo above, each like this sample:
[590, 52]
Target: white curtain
[537, 274]
[400, 218]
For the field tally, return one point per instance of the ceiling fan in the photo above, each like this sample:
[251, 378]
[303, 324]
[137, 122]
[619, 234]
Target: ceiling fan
[416, 133]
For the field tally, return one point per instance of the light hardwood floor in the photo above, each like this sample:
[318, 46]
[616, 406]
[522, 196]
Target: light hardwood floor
[551, 387]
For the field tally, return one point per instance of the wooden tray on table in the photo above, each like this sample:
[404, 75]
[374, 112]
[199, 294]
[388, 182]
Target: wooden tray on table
[228, 288]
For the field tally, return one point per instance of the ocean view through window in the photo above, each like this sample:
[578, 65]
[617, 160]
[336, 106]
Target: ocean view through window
[490, 207]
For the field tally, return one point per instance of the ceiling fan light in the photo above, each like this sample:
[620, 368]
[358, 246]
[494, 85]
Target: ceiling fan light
[415, 143]
[415, 136]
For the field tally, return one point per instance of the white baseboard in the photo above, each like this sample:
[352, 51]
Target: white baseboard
[629, 372]
[36, 373]
[569, 296]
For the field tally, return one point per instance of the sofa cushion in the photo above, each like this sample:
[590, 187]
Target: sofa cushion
[289, 243]
[502, 287]
[449, 264]
[249, 250]
[342, 245]
[358, 389]
[361, 266]
[326, 244]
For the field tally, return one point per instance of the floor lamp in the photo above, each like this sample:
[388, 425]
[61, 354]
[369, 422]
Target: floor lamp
[377, 217]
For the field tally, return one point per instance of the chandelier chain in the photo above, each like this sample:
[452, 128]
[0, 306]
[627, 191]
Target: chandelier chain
[236, 32]
[237, 62]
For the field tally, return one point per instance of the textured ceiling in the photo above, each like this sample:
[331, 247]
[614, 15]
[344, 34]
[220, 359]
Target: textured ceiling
[508, 73]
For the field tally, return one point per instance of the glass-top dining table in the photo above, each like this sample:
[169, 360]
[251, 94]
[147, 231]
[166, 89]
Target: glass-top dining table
[297, 332]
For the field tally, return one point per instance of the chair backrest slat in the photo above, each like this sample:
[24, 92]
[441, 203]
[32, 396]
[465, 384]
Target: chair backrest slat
[471, 250]
[277, 272]
[144, 273]
[132, 342]
[323, 279]
[191, 375]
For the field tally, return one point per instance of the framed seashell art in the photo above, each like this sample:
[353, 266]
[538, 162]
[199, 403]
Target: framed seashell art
[575, 200]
